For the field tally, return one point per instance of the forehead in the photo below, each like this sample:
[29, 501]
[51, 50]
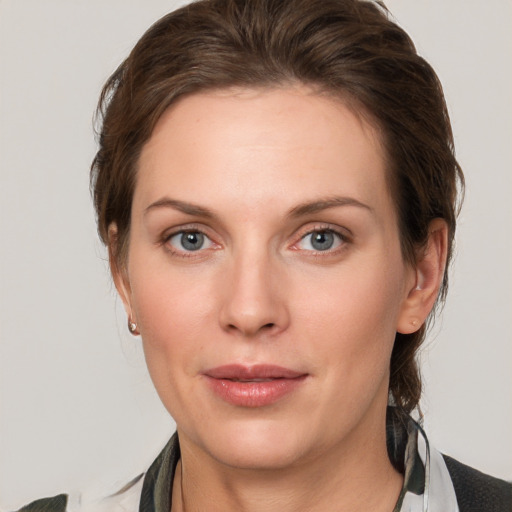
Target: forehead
[261, 145]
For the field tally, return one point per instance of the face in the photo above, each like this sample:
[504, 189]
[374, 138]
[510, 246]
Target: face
[265, 274]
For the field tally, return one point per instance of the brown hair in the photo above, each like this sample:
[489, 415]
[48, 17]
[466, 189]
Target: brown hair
[349, 48]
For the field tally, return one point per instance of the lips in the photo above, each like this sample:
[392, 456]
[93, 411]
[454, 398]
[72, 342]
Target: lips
[253, 386]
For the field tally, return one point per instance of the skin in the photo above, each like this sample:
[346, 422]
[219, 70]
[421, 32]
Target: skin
[257, 292]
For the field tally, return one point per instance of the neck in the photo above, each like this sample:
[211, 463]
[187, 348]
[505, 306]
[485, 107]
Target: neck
[354, 476]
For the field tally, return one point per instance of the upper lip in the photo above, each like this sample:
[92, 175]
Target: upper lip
[252, 372]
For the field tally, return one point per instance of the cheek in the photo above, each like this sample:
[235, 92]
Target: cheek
[173, 317]
[175, 326]
[165, 297]
[351, 319]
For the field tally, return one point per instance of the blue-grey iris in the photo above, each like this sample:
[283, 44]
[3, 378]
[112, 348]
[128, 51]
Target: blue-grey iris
[192, 241]
[322, 240]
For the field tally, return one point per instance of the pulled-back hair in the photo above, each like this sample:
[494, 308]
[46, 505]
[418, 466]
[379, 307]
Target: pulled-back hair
[347, 48]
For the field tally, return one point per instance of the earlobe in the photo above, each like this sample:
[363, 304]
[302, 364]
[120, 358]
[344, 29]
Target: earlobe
[429, 272]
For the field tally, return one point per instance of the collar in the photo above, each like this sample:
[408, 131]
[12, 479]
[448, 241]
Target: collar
[427, 483]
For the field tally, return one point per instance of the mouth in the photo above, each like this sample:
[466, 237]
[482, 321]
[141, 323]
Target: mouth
[253, 380]
[253, 386]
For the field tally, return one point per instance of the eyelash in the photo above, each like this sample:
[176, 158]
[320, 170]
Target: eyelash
[343, 239]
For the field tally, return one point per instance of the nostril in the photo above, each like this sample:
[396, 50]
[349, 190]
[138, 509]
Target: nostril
[265, 327]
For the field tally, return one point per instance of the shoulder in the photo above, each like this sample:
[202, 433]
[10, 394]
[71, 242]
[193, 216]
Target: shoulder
[55, 504]
[124, 500]
[476, 491]
[152, 486]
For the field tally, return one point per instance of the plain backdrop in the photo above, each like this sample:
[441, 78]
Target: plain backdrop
[78, 410]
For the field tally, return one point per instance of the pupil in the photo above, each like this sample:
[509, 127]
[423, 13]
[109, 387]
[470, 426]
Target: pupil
[322, 240]
[192, 241]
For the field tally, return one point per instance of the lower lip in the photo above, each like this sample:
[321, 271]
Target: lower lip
[253, 394]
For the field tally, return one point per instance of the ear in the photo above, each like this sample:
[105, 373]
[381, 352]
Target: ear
[428, 276]
[119, 271]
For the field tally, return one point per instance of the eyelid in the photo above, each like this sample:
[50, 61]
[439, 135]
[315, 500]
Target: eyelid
[183, 228]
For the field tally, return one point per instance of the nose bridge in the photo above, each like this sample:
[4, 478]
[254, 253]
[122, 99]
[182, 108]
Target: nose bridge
[253, 300]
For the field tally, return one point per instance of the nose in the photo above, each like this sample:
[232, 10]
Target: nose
[254, 297]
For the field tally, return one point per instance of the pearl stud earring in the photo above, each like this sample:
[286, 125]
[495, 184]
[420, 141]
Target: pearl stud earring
[132, 327]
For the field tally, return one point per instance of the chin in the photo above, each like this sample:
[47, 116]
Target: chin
[262, 444]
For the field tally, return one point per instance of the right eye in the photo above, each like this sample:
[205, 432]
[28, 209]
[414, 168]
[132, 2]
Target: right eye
[189, 241]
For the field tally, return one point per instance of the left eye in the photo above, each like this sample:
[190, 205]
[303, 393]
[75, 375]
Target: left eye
[189, 241]
[321, 240]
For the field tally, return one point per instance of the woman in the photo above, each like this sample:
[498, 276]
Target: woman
[277, 189]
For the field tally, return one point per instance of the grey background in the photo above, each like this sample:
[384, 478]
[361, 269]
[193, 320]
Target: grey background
[77, 410]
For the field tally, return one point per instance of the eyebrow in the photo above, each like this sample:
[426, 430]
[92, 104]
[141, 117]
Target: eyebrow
[324, 204]
[182, 206]
[300, 210]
